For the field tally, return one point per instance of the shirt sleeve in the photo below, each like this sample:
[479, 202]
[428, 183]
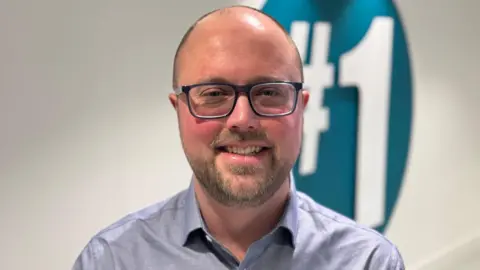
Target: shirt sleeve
[396, 260]
[95, 256]
[387, 257]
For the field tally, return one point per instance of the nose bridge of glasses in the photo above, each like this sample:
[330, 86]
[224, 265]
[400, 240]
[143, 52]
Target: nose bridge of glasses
[242, 93]
[242, 101]
[242, 114]
[242, 106]
[243, 89]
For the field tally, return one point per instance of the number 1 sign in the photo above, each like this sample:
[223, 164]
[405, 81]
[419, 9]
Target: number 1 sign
[357, 123]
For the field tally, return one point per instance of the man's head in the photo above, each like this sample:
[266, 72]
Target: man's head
[242, 156]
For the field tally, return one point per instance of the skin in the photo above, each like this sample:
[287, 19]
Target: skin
[239, 46]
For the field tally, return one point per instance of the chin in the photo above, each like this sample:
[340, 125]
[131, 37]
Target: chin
[243, 179]
[243, 186]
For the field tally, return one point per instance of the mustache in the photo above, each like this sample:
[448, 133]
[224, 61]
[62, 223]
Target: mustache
[239, 136]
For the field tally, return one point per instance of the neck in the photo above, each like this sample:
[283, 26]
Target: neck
[237, 228]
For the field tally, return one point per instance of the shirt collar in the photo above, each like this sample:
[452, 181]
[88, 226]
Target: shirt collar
[290, 218]
[194, 222]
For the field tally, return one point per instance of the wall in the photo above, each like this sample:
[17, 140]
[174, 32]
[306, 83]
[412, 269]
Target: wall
[438, 212]
[88, 134]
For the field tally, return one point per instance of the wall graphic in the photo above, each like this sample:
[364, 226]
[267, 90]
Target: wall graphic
[358, 123]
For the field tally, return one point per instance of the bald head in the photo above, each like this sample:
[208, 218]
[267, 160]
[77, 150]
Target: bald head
[233, 24]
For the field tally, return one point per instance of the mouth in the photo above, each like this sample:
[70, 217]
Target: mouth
[243, 151]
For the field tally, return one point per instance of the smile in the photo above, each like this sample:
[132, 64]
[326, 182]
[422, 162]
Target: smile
[246, 151]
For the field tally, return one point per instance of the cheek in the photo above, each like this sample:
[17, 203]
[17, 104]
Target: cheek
[197, 135]
[286, 134]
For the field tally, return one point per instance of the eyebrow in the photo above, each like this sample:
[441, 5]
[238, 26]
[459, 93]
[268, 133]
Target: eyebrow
[256, 79]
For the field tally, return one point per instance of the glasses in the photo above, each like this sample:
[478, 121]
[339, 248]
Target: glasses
[217, 100]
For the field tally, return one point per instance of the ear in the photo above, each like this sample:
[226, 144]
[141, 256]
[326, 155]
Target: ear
[305, 97]
[173, 100]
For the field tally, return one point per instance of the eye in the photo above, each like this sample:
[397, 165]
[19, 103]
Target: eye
[214, 91]
[269, 92]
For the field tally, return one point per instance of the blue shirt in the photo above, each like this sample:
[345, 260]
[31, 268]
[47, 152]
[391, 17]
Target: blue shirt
[170, 235]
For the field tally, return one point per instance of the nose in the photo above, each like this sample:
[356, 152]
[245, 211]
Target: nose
[243, 118]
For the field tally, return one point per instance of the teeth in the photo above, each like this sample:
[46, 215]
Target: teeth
[251, 150]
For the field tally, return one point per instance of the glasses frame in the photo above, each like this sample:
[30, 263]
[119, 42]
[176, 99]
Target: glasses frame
[247, 88]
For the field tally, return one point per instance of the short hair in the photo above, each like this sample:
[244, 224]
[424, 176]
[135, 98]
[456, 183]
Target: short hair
[221, 10]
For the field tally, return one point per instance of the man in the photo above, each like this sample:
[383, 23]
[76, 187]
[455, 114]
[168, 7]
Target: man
[239, 102]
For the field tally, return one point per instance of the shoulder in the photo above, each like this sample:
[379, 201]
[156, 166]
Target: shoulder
[151, 221]
[160, 212]
[337, 235]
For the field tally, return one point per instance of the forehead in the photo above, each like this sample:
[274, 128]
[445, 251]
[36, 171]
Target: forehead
[238, 55]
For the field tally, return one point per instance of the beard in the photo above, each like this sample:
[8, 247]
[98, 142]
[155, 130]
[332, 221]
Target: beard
[222, 185]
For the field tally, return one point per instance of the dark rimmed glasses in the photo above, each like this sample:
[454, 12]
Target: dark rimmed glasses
[217, 100]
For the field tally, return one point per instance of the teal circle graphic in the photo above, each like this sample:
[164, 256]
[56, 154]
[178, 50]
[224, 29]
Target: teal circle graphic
[334, 181]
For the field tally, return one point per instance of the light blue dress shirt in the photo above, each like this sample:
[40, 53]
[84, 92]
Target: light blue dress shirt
[170, 235]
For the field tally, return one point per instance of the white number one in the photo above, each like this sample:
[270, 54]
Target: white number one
[367, 66]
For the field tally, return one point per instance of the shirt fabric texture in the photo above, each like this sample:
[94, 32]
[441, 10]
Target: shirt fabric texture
[171, 235]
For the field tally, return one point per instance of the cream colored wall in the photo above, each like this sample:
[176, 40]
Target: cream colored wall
[439, 211]
[88, 134]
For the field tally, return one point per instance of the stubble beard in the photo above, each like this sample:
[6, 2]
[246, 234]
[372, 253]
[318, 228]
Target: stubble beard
[267, 180]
